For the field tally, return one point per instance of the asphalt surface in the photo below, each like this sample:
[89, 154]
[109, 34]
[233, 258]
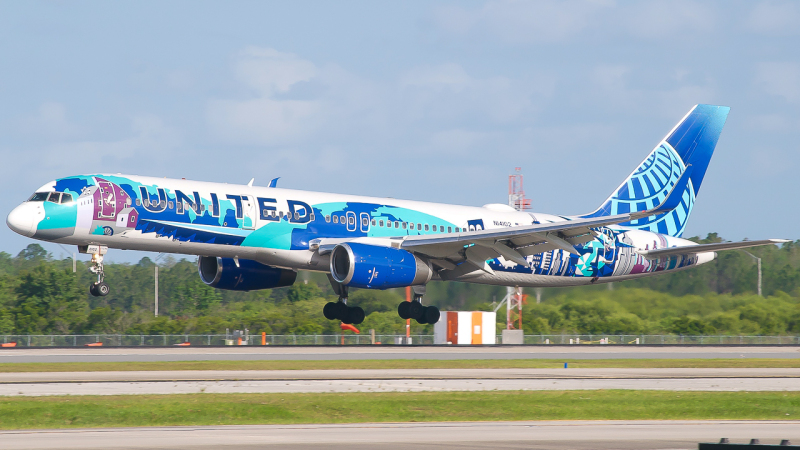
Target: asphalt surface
[555, 435]
[393, 380]
[395, 374]
[320, 353]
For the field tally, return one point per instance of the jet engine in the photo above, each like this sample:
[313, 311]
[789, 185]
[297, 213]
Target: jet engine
[224, 273]
[376, 267]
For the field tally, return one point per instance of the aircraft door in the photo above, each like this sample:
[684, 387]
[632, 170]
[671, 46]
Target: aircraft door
[365, 222]
[249, 213]
[351, 221]
[108, 200]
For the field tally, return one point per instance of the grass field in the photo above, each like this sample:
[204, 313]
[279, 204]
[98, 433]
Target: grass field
[400, 364]
[230, 409]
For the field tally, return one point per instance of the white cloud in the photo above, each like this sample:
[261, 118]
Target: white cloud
[269, 71]
[147, 147]
[667, 19]
[537, 22]
[517, 21]
[50, 120]
[447, 92]
[266, 119]
[781, 79]
[775, 18]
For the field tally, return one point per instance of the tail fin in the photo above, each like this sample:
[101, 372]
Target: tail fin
[691, 142]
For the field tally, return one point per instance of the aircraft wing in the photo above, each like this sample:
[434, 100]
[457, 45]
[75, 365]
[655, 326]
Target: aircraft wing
[693, 249]
[515, 243]
[449, 250]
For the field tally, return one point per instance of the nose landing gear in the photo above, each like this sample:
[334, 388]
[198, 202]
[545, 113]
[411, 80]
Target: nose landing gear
[100, 288]
[415, 310]
[339, 310]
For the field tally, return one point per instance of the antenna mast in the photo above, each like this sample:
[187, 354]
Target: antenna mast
[516, 193]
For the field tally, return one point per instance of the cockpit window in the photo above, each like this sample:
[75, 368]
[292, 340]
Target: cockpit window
[66, 198]
[39, 197]
[54, 197]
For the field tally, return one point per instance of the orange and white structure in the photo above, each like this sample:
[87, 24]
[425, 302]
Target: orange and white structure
[466, 328]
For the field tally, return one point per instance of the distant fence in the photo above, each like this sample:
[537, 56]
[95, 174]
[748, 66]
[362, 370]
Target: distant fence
[166, 340]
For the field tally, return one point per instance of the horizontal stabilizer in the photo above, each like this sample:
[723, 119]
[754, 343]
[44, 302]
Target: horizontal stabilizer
[702, 248]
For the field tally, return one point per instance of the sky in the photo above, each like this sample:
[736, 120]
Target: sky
[430, 100]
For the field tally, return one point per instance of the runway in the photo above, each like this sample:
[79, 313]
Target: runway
[323, 353]
[556, 435]
[393, 380]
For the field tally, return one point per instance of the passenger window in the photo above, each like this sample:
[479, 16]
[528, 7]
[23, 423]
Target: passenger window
[381, 223]
[411, 225]
[342, 219]
[327, 218]
[449, 229]
[419, 226]
[297, 216]
[312, 217]
[351, 220]
[426, 227]
[335, 219]
[397, 224]
[405, 225]
[169, 205]
[365, 222]
[373, 222]
[138, 202]
[66, 198]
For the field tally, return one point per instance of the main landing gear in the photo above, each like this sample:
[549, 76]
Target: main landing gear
[339, 310]
[415, 310]
[100, 288]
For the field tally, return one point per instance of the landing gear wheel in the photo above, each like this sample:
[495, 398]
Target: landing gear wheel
[421, 319]
[432, 314]
[403, 310]
[356, 315]
[415, 310]
[342, 312]
[329, 310]
[103, 289]
[100, 289]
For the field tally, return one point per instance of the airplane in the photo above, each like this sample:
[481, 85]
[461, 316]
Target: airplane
[248, 237]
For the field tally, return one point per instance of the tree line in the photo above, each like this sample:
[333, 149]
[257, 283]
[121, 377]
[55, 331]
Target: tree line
[40, 294]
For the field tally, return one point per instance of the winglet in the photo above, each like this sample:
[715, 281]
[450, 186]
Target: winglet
[250, 184]
[673, 199]
[274, 182]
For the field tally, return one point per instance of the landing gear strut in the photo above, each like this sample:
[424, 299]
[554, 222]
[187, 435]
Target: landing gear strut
[100, 288]
[339, 310]
[415, 310]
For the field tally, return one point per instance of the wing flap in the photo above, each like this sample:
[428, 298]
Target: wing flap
[702, 248]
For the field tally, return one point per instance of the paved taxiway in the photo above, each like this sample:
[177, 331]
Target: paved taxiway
[663, 434]
[394, 380]
[320, 353]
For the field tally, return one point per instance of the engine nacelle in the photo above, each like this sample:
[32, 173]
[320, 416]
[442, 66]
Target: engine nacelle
[375, 267]
[222, 273]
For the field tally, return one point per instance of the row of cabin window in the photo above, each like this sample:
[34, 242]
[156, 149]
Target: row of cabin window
[389, 223]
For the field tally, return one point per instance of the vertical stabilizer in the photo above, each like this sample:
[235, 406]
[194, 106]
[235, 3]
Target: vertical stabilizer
[691, 142]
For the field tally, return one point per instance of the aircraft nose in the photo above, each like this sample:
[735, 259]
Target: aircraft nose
[22, 219]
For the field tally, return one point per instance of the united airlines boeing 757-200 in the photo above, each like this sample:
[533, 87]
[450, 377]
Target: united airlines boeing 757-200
[248, 237]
